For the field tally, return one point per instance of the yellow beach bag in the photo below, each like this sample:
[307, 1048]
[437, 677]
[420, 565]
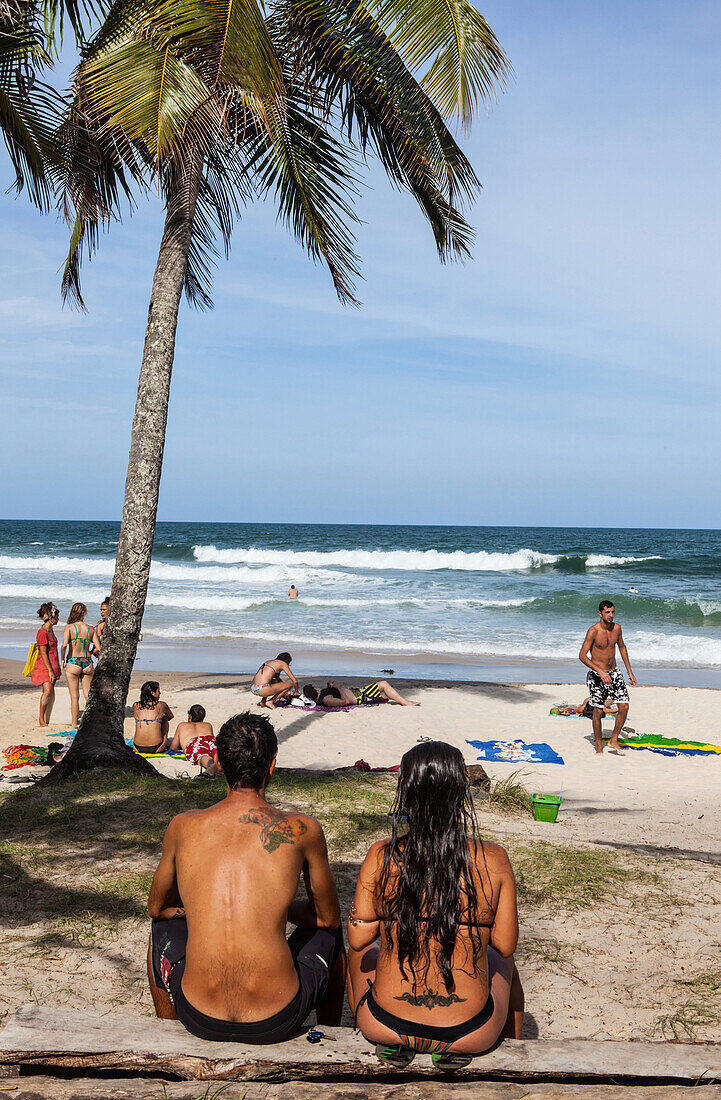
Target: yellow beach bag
[32, 658]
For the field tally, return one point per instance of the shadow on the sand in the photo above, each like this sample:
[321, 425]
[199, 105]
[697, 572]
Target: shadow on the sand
[661, 851]
[582, 806]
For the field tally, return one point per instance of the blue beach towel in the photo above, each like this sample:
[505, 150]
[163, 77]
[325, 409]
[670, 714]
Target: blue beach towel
[516, 752]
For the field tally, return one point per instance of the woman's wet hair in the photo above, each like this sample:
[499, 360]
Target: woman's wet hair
[46, 610]
[310, 692]
[426, 886]
[246, 747]
[196, 713]
[147, 694]
[76, 612]
[284, 657]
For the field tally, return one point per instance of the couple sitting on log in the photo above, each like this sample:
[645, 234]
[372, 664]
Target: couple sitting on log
[440, 901]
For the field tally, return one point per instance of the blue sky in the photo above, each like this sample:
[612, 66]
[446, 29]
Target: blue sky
[568, 374]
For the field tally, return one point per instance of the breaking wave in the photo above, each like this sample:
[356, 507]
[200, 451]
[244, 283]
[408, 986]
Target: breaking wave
[480, 561]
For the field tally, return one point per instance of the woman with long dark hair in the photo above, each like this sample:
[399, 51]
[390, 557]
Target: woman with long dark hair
[152, 719]
[442, 980]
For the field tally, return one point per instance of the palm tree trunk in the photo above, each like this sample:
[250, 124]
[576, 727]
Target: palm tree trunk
[99, 742]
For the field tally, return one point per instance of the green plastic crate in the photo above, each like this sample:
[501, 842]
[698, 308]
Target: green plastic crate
[545, 806]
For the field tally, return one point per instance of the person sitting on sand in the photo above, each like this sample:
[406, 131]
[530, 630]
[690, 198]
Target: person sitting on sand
[443, 904]
[267, 683]
[218, 959]
[195, 738]
[334, 695]
[152, 719]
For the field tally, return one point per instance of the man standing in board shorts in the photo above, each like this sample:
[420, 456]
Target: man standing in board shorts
[604, 679]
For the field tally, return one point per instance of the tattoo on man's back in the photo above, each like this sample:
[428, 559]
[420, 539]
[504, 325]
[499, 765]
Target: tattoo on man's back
[276, 828]
[431, 999]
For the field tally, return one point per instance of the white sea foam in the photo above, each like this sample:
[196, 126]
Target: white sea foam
[53, 591]
[478, 561]
[598, 561]
[166, 571]
[646, 648]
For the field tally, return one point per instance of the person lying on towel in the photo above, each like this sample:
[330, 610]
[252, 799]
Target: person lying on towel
[195, 738]
[218, 959]
[334, 695]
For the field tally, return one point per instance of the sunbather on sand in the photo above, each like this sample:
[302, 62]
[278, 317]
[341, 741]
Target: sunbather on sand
[152, 719]
[334, 695]
[609, 707]
[218, 959]
[443, 904]
[267, 683]
[195, 738]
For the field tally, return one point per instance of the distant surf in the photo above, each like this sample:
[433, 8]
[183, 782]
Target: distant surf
[525, 594]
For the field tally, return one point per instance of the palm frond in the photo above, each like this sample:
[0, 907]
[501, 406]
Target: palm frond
[78, 13]
[96, 173]
[224, 190]
[147, 94]
[343, 51]
[461, 60]
[225, 41]
[29, 109]
[312, 177]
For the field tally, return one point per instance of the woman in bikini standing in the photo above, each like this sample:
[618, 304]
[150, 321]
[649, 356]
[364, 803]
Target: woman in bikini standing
[443, 902]
[46, 669]
[78, 639]
[152, 719]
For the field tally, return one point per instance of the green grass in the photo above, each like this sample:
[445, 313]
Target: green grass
[510, 796]
[701, 1007]
[579, 878]
[78, 859]
[132, 812]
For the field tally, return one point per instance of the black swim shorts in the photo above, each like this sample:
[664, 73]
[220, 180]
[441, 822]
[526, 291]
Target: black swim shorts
[314, 952]
[599, 692]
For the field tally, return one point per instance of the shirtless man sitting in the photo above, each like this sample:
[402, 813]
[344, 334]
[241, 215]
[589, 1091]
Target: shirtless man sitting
[195, 738]
[225, 886]
[267, 683]
[604, 679]
[335, 695]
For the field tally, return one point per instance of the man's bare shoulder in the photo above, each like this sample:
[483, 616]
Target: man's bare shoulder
[178, 825]
[281, 826]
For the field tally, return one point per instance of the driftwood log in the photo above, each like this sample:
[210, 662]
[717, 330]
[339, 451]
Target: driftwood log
[132, 1088]
[39, 1038]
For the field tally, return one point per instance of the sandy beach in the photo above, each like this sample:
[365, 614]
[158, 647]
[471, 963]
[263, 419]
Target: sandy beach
[638, 798]
[610, 971]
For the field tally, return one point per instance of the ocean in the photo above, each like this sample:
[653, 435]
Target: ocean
[455, 602]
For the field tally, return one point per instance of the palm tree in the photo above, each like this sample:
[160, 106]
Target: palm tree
[215, 102]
